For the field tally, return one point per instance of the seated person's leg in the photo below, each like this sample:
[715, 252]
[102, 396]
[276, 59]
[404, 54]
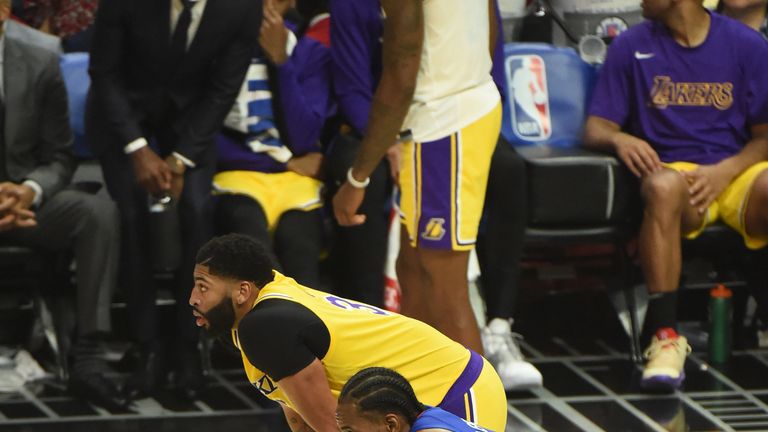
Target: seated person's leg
[756, 228]
[756, 214]
[667, 216]
[88, 225]
[241, 214]
[298, 243]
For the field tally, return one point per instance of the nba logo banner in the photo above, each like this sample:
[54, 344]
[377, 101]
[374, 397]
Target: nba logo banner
[530, 112]
[546, 89]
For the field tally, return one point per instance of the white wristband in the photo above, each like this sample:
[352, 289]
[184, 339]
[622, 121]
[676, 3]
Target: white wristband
[356, 183]
[135, 145]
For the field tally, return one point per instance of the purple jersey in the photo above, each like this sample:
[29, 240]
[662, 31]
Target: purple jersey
[691, 104]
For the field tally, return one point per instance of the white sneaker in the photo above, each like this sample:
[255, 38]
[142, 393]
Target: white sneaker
[665, 369]
[762, 338]
[502, 351]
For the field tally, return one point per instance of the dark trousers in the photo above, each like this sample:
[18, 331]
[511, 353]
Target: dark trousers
[359, 252]
[297, 240]
[88, 226]
[195, 216]
[500, 245]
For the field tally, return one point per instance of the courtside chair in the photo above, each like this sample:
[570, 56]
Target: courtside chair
[575, 196]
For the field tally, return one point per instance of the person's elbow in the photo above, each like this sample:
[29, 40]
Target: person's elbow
[596, 132]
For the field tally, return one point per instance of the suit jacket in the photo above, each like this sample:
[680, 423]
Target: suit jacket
[32, 36]
[135, 90]
[38, 137]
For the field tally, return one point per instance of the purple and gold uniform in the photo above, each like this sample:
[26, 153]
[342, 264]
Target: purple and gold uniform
[694, 106]
[454, 119]
[349, 336]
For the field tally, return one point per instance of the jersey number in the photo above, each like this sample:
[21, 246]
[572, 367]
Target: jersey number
[350, 305]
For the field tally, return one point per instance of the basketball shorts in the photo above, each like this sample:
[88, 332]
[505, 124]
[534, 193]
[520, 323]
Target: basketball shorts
[443, 183]
[277, 193]
[731, 205]
[478, 395]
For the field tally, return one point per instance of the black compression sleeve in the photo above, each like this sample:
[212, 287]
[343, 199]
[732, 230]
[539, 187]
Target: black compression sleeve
[282, 337]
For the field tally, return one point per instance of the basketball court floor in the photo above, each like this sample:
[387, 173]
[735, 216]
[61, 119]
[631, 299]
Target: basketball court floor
[589, 385]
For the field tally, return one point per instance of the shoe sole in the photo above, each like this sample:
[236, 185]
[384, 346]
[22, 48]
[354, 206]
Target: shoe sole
[663, 383]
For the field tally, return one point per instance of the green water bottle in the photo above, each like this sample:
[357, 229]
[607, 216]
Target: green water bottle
[720, 321]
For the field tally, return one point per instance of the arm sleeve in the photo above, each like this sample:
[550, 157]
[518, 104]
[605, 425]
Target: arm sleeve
[305, 86]
[611, 97]
[281, 337]
[57, 162]
[200, 122]
[105, 68]
[351, 58]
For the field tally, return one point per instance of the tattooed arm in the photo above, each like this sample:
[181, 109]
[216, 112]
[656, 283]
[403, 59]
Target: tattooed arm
[402, 44]
[295, 422]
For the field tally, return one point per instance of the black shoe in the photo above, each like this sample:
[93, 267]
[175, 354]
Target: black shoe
[98, 390]
[88, 375]
[190, 380]
[147, 376]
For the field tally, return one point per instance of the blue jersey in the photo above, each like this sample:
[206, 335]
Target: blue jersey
[435, 418]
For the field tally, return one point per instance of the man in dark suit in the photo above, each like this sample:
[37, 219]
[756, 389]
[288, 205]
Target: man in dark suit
[38, 208]
[165, 72]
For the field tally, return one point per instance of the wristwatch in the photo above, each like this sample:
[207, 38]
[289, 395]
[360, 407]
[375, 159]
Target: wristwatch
[176, 165]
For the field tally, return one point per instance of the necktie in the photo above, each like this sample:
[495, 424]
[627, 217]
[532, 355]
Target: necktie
[179, 38]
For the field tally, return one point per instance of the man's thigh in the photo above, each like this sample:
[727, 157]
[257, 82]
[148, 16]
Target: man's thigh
[743, 205]
[692, 222]
[61, 218]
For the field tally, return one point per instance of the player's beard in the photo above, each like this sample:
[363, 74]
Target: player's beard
[221, 318]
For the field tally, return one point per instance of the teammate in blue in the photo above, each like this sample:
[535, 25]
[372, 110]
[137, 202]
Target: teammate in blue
[380, 399]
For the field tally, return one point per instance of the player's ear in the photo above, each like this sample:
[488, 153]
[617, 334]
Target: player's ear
[244, 291]
[393, 423]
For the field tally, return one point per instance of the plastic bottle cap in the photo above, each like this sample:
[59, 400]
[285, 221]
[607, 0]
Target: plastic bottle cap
[720, 291]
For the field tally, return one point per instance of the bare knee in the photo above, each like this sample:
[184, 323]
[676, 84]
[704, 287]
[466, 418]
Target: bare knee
[664, 190]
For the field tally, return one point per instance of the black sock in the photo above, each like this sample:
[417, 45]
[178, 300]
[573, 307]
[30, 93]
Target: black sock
[662, 312]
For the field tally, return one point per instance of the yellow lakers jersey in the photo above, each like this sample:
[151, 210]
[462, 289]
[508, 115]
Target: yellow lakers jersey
[363, 336]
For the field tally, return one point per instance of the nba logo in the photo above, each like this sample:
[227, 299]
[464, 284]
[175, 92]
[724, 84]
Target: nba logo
[530, 97]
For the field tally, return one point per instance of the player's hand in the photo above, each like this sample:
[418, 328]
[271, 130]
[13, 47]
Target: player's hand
[637, 155]
[308, 165]
[152, 172]
[395, 158]
[273, 36]
[705, 184]
[346, 203]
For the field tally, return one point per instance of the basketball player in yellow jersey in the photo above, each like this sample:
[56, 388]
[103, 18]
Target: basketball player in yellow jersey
[299, 345]
[435, 84]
